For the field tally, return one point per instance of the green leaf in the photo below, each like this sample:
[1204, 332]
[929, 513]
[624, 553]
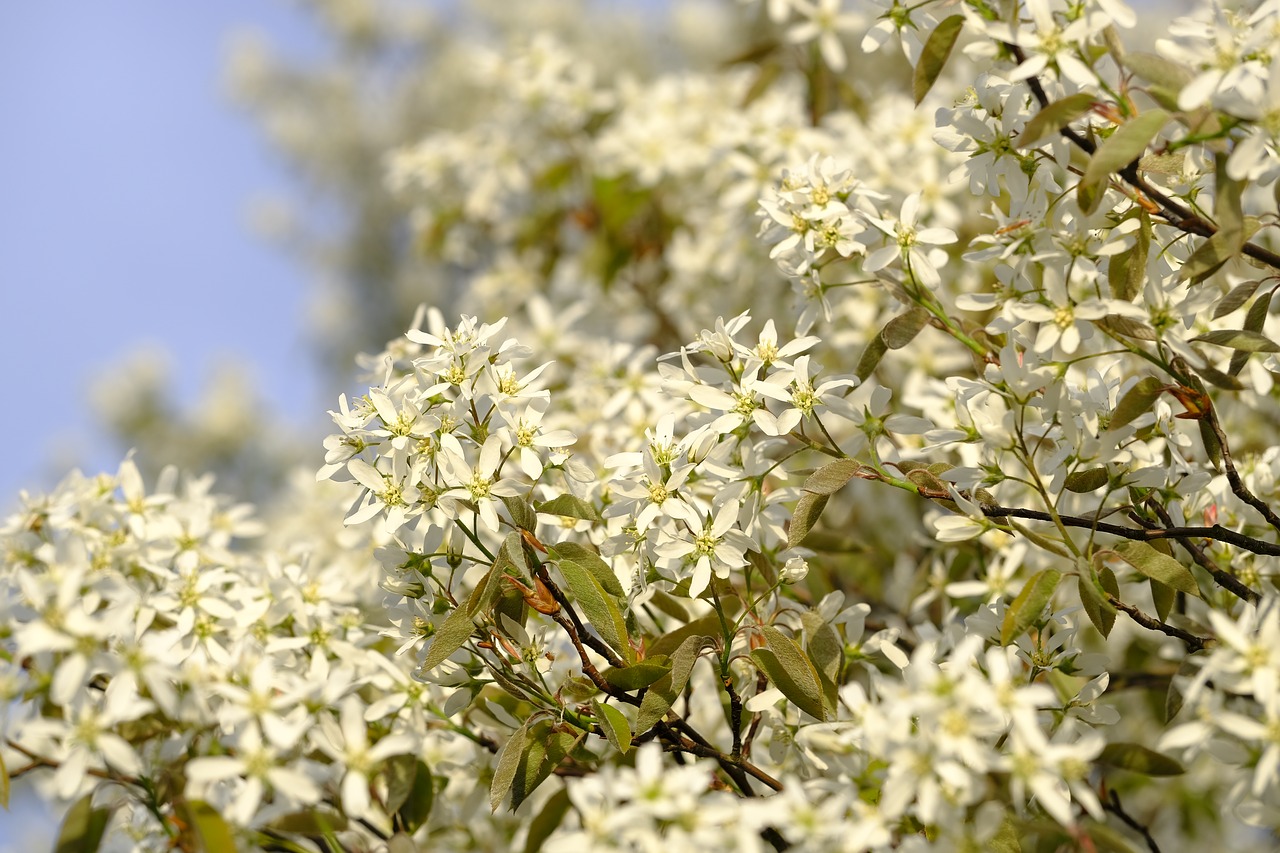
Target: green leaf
[82, 828]
[1216, 377]
[1053, 118]
[808, 511]
[1124, 146]
[902, 330]
[1157, 566]
[1239, 339]
[545, 748]
[508, 762]
[455, 631]
[1212, 447]
[1139, 759]
[826, 652]
[875, 350]
[593, 585]
[663, 693]
[1228, 210]
[210, 831]
[1210, 255]
[668, 643]
[1136, 401]
[593, 563]
[933, 58]
[410, 790]
[616, 729]
[571, 506]
[640, 674]
[522, 513]
[1163, 597]
[1255, 320]
[1006, 838]
[1093, 596]
[1157, 69]
[311, 822]
[831, 477]
[1127, 271]
[546, 822]
[4, 785]
[401, 842]
[790, 670]
[510, 556]
[1126, 327]
[1088, 480]
[1030, 603]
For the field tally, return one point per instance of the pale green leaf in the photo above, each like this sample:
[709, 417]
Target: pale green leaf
[933, 57]
[1053, 118]
[593, 585]
[663, 693]
[571, 506]
[808, 511]
[1139, 759]
[1124, 146]
[1029, 604]
[1136, 401]
[1157, 566]
[1239, 339]
[902, 330]
[545, 822]
[790, 670]
[614, 724]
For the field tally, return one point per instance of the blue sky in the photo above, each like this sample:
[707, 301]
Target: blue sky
[125, 180]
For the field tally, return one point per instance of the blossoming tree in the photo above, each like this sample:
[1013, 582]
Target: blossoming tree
[862, 440]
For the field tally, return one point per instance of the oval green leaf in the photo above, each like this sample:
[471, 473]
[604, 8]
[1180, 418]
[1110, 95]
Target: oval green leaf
[1030, 603]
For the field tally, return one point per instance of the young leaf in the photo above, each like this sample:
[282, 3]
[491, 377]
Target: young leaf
[790, 670]
[546, 822]
[1157, 566]
[640, 674]
[1088, 480]
[507, 763]
[545, 748]
[1136, 401]
[831, 477]
[615, 727]
[1239, 339]
[1092, 595]
[82, 828]
[663, 693]
[1128, 327]
[4, 785]
[594, 591]
[1235, 298]
[1158, 70]
[571, 506]
[808, 510]
[1255, 320]
[1027, 607]
[455, 631]
[1139, 759]
[1119, 150]
[902, 330]
[521, 512]
[1163, 597]
[875, 350]
[1210, 255]
[594, 563]
[416, 793]
[1127, 271]
[933, 58]
[1053, 118]
[210, 832]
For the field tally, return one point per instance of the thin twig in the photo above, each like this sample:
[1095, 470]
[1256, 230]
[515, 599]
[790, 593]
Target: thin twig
[1193, 642]
[1113, 806]
[1224, 579]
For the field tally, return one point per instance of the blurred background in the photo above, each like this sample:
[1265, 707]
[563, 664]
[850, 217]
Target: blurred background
[131, 285]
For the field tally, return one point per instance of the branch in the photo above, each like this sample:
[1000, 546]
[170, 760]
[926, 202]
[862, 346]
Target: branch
[1224, 579]
[1193, 642]
[1179, 216]
[1113, 805]
[1217, 531]
[1233, 476]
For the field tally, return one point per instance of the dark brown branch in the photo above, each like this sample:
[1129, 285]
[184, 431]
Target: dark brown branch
[1233, 476]
[1113, 805]
[1193, 642]
[1179, 216]
[1223, 578]
[1217, 531]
